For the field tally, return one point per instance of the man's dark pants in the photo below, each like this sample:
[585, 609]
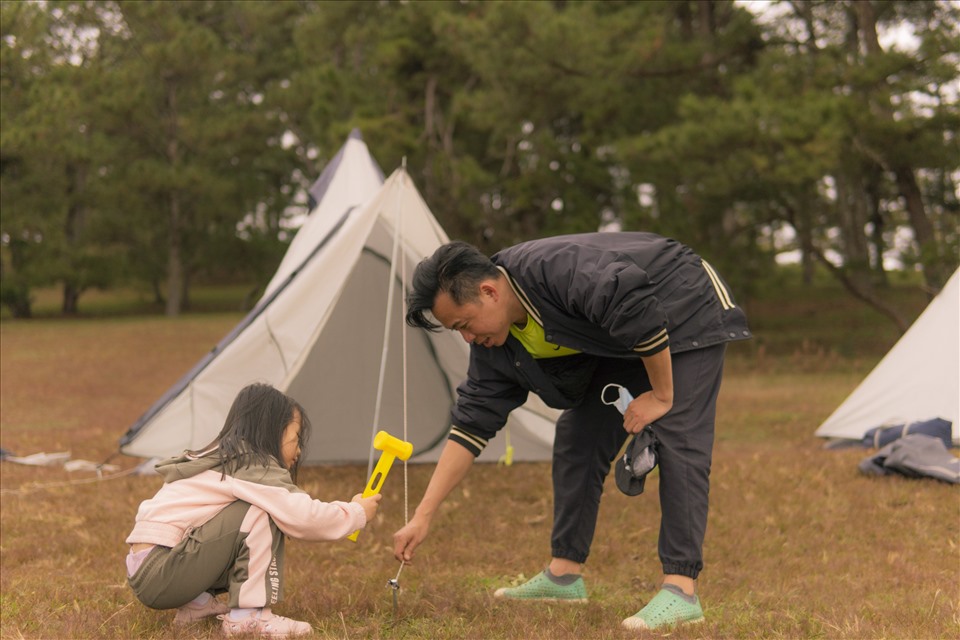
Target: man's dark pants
[590, 435]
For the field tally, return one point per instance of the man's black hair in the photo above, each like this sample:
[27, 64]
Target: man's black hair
[457, 269]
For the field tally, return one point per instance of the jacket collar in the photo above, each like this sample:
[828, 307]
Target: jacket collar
[524, 299]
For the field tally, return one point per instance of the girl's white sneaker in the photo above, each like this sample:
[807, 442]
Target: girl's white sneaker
[265, 625]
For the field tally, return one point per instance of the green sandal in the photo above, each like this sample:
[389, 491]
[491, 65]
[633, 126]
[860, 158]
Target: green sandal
[666, 609]
[543, 589]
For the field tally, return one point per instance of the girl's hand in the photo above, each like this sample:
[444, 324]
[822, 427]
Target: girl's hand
[369, 505]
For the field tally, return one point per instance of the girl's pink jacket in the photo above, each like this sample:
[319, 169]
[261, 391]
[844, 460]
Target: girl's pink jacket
[196, 489]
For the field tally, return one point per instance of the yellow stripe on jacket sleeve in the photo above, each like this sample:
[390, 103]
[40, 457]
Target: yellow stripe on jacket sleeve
[654, 344]
[722, 293]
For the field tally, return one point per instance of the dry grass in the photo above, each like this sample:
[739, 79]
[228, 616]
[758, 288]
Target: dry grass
[799, 545]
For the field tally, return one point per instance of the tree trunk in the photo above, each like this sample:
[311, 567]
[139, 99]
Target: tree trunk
[158, 298]
[802, 219]
[174, 260]
[852, 215]
[21, 308]
[185, 292]
[17, 299]
[429, 138]
[877, 224]
[71, 299]
[175, 269]
[73, 235]
[934, 269]
[15, 295]
[807, 259]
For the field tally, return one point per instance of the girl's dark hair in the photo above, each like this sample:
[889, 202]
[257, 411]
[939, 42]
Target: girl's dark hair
[253, 430]
[456, 268]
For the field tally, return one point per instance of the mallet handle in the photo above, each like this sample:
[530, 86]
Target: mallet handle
[376, 481]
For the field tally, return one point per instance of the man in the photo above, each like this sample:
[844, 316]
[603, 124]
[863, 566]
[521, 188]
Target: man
[564, 317]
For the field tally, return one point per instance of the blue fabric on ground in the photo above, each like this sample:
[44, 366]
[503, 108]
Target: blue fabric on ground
[882, 436]
[914, 456]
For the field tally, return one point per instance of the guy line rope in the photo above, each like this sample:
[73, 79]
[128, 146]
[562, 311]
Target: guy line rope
[394, 259]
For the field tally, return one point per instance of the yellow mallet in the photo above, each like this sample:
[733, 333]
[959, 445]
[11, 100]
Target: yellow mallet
[391, 449]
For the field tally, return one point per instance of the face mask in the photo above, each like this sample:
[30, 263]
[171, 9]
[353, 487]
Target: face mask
[623, 398]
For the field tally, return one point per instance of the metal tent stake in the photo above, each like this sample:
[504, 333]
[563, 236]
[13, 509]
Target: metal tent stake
[394, 584]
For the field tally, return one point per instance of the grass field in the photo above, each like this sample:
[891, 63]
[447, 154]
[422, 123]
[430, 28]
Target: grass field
[799, 545]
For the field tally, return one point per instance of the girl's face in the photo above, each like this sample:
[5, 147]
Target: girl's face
[290, 443]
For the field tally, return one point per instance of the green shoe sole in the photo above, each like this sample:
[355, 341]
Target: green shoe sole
[667, 609]
[540, 588]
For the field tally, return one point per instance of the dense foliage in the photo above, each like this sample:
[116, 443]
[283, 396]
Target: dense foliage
[158, 143]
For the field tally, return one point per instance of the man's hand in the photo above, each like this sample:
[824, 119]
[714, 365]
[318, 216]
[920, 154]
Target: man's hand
[454, 462]
[649, 407]
[407, 539]
[645, 409]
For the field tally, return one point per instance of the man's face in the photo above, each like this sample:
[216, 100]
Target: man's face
[483, 322]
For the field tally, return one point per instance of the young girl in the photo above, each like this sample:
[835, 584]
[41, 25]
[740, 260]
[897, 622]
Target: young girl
[218, 523]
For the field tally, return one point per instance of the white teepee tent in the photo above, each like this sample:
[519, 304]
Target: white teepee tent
[918, 379]
[319, 332]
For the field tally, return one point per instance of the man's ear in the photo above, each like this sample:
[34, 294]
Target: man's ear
[489, 289]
